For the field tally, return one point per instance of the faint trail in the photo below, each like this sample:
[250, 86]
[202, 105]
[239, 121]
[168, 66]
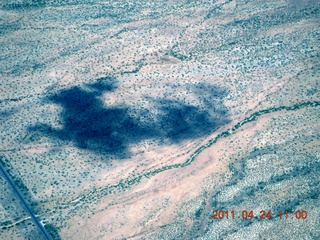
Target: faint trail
[24, 203]
[18, 99]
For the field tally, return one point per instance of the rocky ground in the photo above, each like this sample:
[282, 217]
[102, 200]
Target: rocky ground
[136, 120]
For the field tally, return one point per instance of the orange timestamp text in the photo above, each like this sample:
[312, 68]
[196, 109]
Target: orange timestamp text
[245, 214]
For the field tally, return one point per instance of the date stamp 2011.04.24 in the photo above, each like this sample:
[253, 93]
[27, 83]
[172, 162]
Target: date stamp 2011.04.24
[245, 214]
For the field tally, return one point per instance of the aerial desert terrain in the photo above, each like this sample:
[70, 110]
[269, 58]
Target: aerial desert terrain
[139, 119]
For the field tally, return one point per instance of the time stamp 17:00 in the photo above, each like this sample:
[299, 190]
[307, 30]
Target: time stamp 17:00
[225, 214]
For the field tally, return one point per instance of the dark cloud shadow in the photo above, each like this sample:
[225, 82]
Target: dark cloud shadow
[91, 125]
[180, 121]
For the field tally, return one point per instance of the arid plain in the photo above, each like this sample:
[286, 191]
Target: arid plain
[136, 120]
